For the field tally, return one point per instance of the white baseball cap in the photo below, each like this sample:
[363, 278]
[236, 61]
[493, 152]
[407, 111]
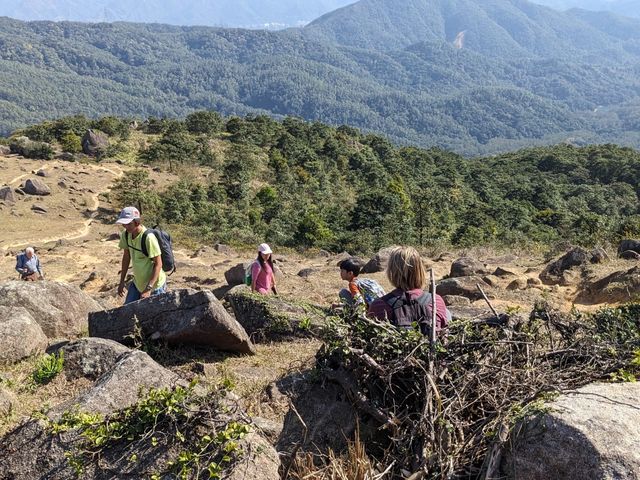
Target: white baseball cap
[264, 248]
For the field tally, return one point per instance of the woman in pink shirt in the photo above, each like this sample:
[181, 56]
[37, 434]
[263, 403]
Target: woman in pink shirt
[262, 277]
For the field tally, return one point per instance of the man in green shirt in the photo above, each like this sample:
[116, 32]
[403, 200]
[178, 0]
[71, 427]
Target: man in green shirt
[148, 277]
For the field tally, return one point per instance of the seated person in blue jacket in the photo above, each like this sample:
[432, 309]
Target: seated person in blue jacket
[28, 265]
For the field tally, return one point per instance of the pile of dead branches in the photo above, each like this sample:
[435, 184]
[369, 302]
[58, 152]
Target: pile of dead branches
[447, 408]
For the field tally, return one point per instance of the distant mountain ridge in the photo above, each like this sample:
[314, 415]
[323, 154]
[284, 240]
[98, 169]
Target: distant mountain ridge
[228, 13]
[628, 8]
[525, 74]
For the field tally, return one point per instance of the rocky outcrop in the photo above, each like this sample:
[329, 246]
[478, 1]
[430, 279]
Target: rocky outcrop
[466, 267]
[93, 142]
[379, 261]
[621, 286]
[266, 316]
[20, 335]
[630, 255]
[34, 186]
[553, 272]
[591, 433]
[260, 461]
[60, 309]
[177, 317]
[91, 357]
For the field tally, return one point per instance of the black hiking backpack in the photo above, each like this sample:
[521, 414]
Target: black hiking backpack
[166, 249]
[407, 311]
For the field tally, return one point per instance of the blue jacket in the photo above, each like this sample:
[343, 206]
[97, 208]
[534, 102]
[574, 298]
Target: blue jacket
[31, 264]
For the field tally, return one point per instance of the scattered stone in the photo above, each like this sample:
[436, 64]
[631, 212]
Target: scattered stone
[224, 249]
[630, 255]
[307, 272]
[91, 357]
[19, 191]
[59, 308]
[20, 335]
[533, 282]
[504, 272]
[599, 255]
[6, 195]
[42, 173]
[575, 257]
[593, 432]
[518, 284]
[491, 280]
[324, 254]
[457, 300]
[62, 184]
[379, 262]
[338, 259]
[33, 186]
[113, 236]
[465, 267]
[94, 142]
[5, 150]
[177, 317]
[66, 156]
[38, 208]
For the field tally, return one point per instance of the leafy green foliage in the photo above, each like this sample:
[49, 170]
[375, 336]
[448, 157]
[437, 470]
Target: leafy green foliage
[48, 367]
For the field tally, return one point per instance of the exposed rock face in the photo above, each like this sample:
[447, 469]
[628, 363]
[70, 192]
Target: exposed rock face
[34, 186]
[463, 286]
[265, 316]
[379, 261]
[519, 283]
[621, 286]
[120, 387]
[93, 142]
[629, 244]
[178, 317]
[20, 335]
[235, 275]
[259, 462]
[5, 150]
[307, 272]
[465, 267]
[573, 258]
[592, 433]
[60, 309]
[91, 357]
[6, 195]
[456, 300]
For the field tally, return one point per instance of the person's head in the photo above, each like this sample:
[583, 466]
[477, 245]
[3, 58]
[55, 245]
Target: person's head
[349, 269]
[264, 253]
[29, 251]
[129, 218]
[405, 269]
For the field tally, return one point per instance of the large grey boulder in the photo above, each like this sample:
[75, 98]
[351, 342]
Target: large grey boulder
[93, 142]
[592, 433]
[7, 195]
[629, 244]
[20, 335]
[235, 275]
[91, 357]
[177, 317]
[60, 309]
[260, 461]
[462, 286]
[34, 186]
[379, 261]
[467, 266]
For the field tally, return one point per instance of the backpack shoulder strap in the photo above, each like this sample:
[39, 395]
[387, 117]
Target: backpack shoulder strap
[143, 243]
[425, 299]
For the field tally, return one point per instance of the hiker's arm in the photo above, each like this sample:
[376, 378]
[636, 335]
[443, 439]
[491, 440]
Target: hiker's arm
[255, 271]
[126, 259]
[157, 268]
[19, 266]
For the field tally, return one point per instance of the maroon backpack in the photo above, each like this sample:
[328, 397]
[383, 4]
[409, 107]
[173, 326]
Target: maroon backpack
[406, 311]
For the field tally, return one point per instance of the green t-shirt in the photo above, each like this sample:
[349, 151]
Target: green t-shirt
[142, 266]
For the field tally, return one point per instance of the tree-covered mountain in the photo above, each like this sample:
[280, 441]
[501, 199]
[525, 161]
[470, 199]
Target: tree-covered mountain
[228, 13]
[301, 184]
[628, 8]
[518, 74]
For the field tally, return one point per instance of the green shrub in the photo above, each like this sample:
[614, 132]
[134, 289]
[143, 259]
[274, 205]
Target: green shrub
[48, 367]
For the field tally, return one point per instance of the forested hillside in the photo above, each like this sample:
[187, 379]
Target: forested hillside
[472, 77]
[629, 8]
[303, 184]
